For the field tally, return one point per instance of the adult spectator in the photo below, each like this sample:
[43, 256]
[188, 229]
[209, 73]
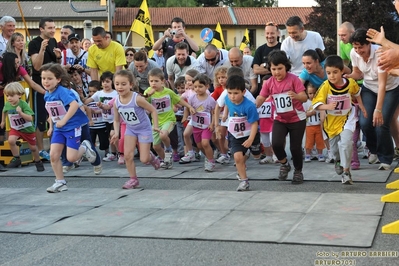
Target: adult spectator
[159, 59]
[210, 59]
[345, 31]
[260, 62]
[86, 43]
[178, 64]
[298, 41]
[16, 45]
[247, 51]
[314, 72]
[7, 26]
[42, 50]
[140, 68]
[105, 55]
[379, 93]
[66, 31]
[129, 54]
[174, 35]
[237, 59]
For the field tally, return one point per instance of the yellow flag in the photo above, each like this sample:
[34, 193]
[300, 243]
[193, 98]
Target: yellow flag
[245, 40]
[218, 39]
[142, 26]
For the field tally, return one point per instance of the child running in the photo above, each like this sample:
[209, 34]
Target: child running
[334, 96]
[65, 125]
[288, 94]
[203, 120]
[132, 108]
[20, 117]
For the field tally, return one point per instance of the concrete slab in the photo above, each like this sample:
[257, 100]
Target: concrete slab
[33, 218]
[6, 209]
[252, 226]
[335, 230]
[172, 223]
[344, 203]
[156, 199]
[96, 222]
[271, 201]
[212, 200]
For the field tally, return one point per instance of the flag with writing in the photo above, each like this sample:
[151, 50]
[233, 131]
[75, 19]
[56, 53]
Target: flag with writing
[218, 39]
[245, 40]
[142, 26]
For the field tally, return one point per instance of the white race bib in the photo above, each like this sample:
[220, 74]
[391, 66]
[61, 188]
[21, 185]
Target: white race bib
[283, 103]
[239, 127]
[129, 116]
[343, 104]
[18, 122]
[265, 110]
[161, 104]
[201, 120]
[56, 110]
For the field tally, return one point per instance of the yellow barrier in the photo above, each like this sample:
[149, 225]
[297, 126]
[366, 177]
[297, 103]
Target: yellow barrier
[24, 153]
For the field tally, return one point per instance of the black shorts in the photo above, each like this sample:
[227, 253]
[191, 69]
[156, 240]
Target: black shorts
[236, 144]
[40, 111]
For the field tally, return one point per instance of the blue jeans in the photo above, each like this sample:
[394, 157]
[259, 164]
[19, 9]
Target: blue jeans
[378, 139]
[85, 136]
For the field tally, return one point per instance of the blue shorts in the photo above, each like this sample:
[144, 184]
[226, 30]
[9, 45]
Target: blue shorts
[143, 136]
[71, 138]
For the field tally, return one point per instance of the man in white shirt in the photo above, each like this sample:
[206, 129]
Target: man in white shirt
[298, 41]
[75, 57]
[7, 26]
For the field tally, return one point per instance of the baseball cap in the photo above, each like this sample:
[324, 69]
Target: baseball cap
[73, 36]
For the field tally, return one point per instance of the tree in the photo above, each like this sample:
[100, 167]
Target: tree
[361, 13]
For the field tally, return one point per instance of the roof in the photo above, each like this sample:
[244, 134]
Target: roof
[55, 10]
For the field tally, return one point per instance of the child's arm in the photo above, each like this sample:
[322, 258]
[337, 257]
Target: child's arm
[331, 106]
[115, 136]
[73, 107]
[225, 114]
[310, 112]
[259, 101]
[142, 102]
[50, 127]
[88, 100]
[27, 117]
[216, 121]
[302, 97]
[89, 114]
[185, 104]
[212, 112]
[254, 130]
[3, 117]
[185, 115]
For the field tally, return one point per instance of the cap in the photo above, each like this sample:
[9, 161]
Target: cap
[74, 36]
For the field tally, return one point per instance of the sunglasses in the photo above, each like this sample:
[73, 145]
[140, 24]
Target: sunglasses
[129, 54]
[211, 59]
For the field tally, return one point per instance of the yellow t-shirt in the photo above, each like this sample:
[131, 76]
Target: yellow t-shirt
[106, 59]
[335, 120]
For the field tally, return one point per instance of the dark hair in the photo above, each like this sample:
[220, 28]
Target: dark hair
[140, 56]
[334, 61]
[99, 31]
[42, 22]
[178, 20]
[8, 69]
[266, 77]
[294, 21]
[179, 81]
[235, 82]
[235, 71]
[316, 54]
[202, 79]
[72, 29]
[277, 57]
[359, 36]
[59, 72]
[106, 75]
[95, 84]
[156, 72]
[130, 49]
[181, 46]
[126, 73]
[192, 72]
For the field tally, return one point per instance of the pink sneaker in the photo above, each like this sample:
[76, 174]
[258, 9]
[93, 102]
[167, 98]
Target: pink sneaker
[121, 159]
[355, 165]
[131, 183]
[155, 161]
[176, 157]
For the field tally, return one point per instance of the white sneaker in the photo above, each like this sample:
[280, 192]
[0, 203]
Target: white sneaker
[109, 157]
[223, 159]
[66, 169]
[90, 154]
[169, 157]
[209, 166]
[384, 166]
[188, 158]
[266, 160]
[373, 158]
[330, 158]
[57, 187]
[98, 169]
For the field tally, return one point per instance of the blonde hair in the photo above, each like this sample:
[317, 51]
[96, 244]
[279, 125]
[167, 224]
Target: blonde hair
[14, 88]
[219, 70]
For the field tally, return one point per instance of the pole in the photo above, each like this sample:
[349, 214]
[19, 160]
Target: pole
[339, 22]
[23, 19]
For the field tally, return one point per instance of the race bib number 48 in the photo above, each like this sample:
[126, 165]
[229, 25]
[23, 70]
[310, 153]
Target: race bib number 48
[239, 127]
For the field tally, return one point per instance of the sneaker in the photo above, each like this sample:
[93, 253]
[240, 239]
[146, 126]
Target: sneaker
[366, 152]
[284, 170]
[396, 153]
[209, 166]
[2, 168]
[373, 158]
[321, 158]
[176, 157]
[168, 157]
[243, 186]
[166, 165]
[66, 169]
[308, 159]
[97, 169]
[346, 178]
[121, 159]
[78, 162]
[188, 158]
[44, 154]
[223, 159]
[197, 157]
[131, 183]
[90, 154]
[330, 157]
[109, 157]
[338, 168]
[57, 187]
[384, 166]
[39, 166]
[297, 178]
[266, 160]
[355, 165]
[14, 163]
[216, 154]
[155, 161]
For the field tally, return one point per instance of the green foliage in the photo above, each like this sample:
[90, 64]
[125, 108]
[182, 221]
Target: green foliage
[361, 13]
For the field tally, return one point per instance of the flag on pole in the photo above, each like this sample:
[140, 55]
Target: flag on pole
[218, 39]
[245, 40]
[142, 26]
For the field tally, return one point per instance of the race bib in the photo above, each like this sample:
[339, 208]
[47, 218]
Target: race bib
[239, 127]
[283, 103]
[56, 110]
[129, 116]
[343, 104]
[265, 110]
[201, 120]
[107, 114]
[18, 122]
[314, 119]
[96, 117]
[161, 104]
[78, 131]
